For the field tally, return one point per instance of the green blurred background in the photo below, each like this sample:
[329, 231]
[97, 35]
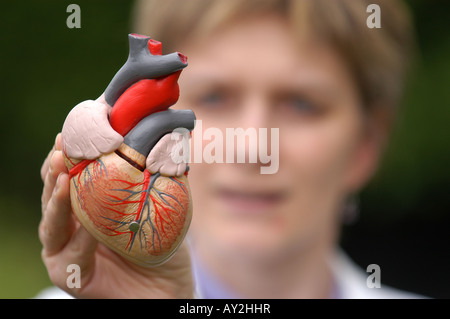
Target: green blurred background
[47, 68]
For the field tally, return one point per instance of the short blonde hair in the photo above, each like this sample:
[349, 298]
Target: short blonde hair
[377, 58]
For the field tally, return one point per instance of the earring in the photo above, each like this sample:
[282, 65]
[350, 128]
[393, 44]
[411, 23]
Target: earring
[350, 212]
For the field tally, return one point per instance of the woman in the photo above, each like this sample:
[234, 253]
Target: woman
[312, 69]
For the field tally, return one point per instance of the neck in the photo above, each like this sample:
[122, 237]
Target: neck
[298, 273]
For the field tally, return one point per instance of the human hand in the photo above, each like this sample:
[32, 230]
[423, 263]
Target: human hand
[104, 274]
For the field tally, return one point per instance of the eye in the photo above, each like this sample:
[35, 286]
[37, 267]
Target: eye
[299, 104]
[211, 99]
[302, 105]
[215, 99]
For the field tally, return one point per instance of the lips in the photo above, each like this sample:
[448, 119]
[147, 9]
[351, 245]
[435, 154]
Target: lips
[247, 201]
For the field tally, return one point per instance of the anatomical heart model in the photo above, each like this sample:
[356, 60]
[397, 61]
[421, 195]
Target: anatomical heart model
[125, 187]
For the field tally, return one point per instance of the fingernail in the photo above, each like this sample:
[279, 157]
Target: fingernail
[57, 145]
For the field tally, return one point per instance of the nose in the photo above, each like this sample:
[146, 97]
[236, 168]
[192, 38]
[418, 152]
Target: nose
[251, 129]
[255, 111]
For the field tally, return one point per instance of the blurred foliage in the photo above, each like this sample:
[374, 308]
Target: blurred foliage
[414, 175]
[47, 68]
[405, 211]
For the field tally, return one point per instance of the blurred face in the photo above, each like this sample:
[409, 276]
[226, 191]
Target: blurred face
[256, 75]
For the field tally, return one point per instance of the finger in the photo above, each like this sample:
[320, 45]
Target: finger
[56, 166]
[81, 249]
[46, 164]
[58, 142]
[57, 225]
